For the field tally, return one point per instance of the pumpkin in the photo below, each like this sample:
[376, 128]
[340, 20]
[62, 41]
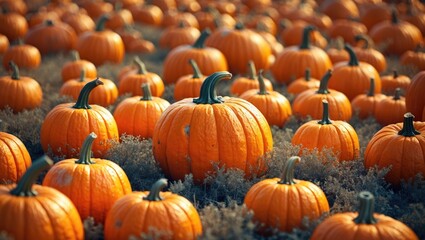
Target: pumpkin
[13, 25]
[407, 143]
[97, 9]
[119, 17]
[137, 115]
[177, 35]
[414, 59]
[210, 130]
[66, 126]
[283, 202]
[148, 14]
[141, 46]
[292, 34]
[336, 51]
[275, 45]
[363, 224]
[4, 44]
[173, 17]
[19, 92]
[374, 14]
[141, 212]
[368, 54]
[41, 16]
[274, 106]
[390, 110]
[72, 69]
[343, 9]
[23, 55]
[189, 86]
[304, 83]
[79, 21]
[415, 100]
[240, 45]
[309, 102]
[101, 46]
[18, 6]
[131, 82]
[242, 84]
[365, 105]
[26, 202]
[346, 29]
[209, 59]
[353, 77]
[211, 18]
[339, 136]
[43, 35]
[86, 181]
[14, 158]
[393, 81]
[291, 63]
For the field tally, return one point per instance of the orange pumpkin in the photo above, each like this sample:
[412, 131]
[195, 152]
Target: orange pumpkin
[178, 35]
[14, 158]
[86, 181]
[189, 86]
[337, 53]
[242, 84]
[292, 34]
[365, 105]
[283, 202]
[169, 213]
[390, 110]
[363, 224]
[119, 17]
[414, 59]
[13, 25]
[148, 14]
[415, 100]
[137, 115]
[23, 55]
[72, 69]
[368, 54]
[4, 43]
[339, 136]
[303, 83]
[407, 143]
[79, 21]
[393, 81]
[346, 29]
[210, 130]
[27, 202]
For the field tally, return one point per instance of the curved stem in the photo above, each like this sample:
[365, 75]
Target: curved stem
[364, 38]
[287, 176]
[83, 98]
[156, 189]
[85, 152]
[82, 75]
[366, 209]
[147, 94]
[251, 70]
[371, 91]
[15, 71]
[196, 72]
[395, 74]
[141, 66]
[353, 57]
[200, 42]
[394, 17]
[408, 129]
[208, 94]
[325, 115]
[305, 43]
[263, 90]
[397, 94]
[75, 55]
[323, 87]
[24, 186]
[307, 74]
[100, 25]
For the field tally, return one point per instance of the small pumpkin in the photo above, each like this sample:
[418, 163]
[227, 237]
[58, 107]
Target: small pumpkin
[304, 83]
[368, 54]
[23, 55]
[79, 21]
[363, 224]
[407, 143]
[339, 136]
[148, 14]
[365, 105]
[346, 29]
[415, 59]
[26, 202]
[415, 100]
[189, 86]
[119, 17]
[178, 35]
[141, 212]
[390, 110]
[72, 69]
[393, 81]
[283, 202]
[138, 115]
[292, 34]
[242, 84]
[14, 158]
[4, 43]
[86, 181]
[336, 51]
[13, 25]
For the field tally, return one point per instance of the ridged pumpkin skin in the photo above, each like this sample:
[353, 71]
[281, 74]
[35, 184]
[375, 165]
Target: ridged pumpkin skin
[368, 54]
[284, 202]
[92, 184]
[413, 59]
[23, 55]
[401, 145]
[303, 83]
[137, 115]
[365, 105]
[14, 158]
[391, 82]
[364, 224]
[189, 86]
[193, 134]
[67, 125]
[338, 136]
[242, 84]
[415, 100]
[31, 211]
[390, 110]
[139, 212]
[72, 69]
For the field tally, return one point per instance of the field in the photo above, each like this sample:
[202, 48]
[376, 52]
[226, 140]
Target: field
[220, 200]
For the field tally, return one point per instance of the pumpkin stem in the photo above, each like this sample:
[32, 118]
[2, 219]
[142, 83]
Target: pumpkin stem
[395, 74]
[325, 115]
[49, 22]
[251, 70]
[200, 42]
[323, 87]
[364, 38]
[100, 25]
[353, 57]
[263, 90]
[394, 17]
[85, 152]
[371, 91]
[141, 66]
[24, 186]
[208, 94]
[83, 98]
[147, 94]
[196, 72]
[239, 26]
[305, 43]
[156, 189]
[75, 55]
[288, 171]
[397, 94]
[307, 74]
[82, 75]
[408, 129]
[366, 210]
[15, 71]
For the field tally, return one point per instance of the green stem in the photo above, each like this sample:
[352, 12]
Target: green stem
[366, 209]
[239, 26]
[196, 72]
[49, 22]
[251, 70]
[397, 94]
[24, 186]
[141, 66]
[83, 98]
[15, 71]
[82, 75]
[307, 74]
[408, 129]
[208, 94]
[263, 90]
[85, 152]
[323, 87]
[75, 55]
[364, 38]
[147, 94]
[395, 74]
[100, 25]
[156, 189]
[371, 91]
[325, 115]
[394, 17]
[288, 171]
[200, 42]
[305, 43]
[353, 57]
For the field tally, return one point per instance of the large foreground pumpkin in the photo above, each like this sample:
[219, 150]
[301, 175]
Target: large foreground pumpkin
[195, 133]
